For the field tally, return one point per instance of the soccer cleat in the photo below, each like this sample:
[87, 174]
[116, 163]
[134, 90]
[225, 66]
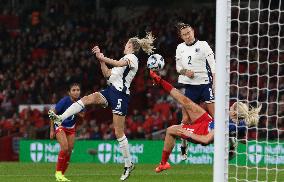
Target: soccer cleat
[162, 167]
[127, 171]
[156, 78]
[60, 177]
[54, 117]
[183, 154]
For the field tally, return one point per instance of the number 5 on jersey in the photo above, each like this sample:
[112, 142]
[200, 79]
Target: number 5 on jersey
[118, 106]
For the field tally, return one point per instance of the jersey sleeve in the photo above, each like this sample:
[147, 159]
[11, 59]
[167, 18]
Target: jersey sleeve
[131, 60]
[209, 55]
[178, 60]
[59, 107]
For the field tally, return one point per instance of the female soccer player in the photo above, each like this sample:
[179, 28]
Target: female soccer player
[201, 128]
[65, 133]
[196, 65]
[117, 93]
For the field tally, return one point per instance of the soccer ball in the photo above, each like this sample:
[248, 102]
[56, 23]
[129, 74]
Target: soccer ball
[155, 62]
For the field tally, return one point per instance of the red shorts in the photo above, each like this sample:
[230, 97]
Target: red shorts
[67, 131]
[200, 126]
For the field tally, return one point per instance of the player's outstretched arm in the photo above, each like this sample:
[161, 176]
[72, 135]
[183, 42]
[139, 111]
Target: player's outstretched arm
[113, 62]
[203, 139]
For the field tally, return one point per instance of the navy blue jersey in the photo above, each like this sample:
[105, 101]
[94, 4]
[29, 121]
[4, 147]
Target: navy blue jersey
[233, 127]
[61, 107]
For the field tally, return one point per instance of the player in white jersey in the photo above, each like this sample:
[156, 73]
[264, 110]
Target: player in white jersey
[196, 65]
[117, 93]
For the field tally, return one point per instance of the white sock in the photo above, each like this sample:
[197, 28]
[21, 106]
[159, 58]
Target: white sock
[124, 147]
[183, 142]
[75, 108]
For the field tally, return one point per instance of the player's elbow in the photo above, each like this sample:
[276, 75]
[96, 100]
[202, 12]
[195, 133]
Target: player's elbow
[107, 75]
[206, 141]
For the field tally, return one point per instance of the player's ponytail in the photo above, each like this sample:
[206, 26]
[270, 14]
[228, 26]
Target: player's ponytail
[250, 116]
[145, 43]
[253, 116]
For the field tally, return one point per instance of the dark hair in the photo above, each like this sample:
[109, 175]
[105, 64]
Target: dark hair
[73, 85]
[181, 26]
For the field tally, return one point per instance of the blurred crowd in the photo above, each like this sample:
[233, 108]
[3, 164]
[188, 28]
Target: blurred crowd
[45, 48]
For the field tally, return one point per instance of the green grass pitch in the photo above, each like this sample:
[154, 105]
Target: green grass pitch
[35, 172]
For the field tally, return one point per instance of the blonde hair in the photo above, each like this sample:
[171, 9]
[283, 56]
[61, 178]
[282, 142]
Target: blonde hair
[145, 43]
[249, 115]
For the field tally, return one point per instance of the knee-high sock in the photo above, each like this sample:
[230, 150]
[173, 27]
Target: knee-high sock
[166, 85]
[75, 108]
[165, 156]
[124, 147]
[66, 163]
[60, 160]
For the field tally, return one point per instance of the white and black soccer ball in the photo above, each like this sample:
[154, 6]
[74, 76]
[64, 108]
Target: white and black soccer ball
[156, 62]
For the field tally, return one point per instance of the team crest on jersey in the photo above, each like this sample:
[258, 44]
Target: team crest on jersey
[197, 49]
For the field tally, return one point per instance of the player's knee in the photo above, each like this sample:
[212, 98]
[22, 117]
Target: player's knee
[64, 148]
[185, 121]
[119, 133]
[170, 130]
[86, 100]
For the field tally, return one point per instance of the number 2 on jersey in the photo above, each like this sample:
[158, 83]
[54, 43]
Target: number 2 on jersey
[189, 59]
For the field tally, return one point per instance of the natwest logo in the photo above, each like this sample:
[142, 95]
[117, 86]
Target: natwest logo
[104, 152]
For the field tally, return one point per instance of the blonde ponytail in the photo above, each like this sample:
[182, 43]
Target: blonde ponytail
[250, 116]
[145, 43]
[253, 116]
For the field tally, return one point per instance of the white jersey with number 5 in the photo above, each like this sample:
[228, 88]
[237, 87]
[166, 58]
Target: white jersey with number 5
[197, 57]
[121, 77]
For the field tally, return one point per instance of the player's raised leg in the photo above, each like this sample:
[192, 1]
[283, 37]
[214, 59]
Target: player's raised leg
[76, 107]
[119, 122]
[194, 111]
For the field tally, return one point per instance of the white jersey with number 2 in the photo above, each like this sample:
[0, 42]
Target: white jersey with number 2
[197, 57]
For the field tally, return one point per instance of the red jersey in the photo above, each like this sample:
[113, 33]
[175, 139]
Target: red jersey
[200, 126]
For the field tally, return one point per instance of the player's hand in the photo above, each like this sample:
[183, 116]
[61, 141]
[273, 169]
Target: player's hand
[189, 74]
[184, 132]
[96, 50]
[51, 134]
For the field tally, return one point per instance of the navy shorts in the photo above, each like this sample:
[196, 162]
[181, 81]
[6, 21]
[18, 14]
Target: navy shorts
[117, 100]
[200, 93]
